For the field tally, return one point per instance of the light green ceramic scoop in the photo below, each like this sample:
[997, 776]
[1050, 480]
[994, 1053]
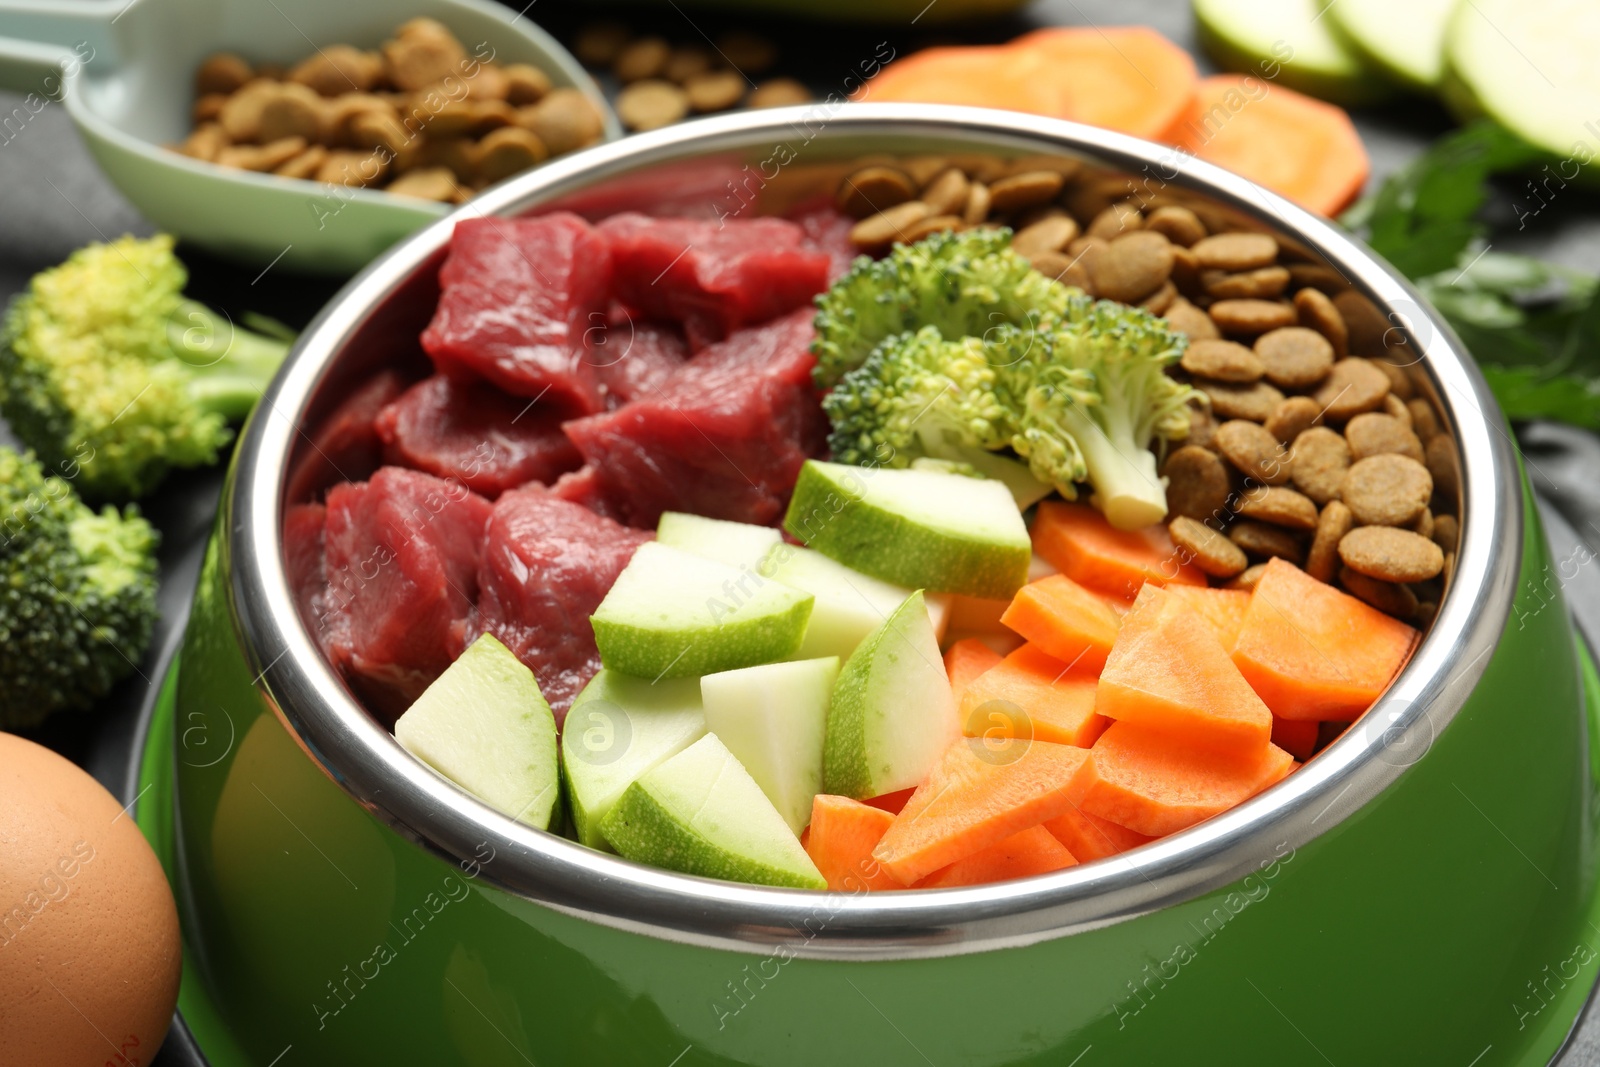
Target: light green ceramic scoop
[124, 70]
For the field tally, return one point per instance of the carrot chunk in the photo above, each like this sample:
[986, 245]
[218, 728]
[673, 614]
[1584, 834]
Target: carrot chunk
[965, 660]
[1089, 837]
[1304, 149]
[1022, 855]
[1032, 695]
[1298, 737]
[975, 797]
[1169, 672]
[1063, 619]
[840, 840]
[1314, 652]
[1223, 609]
[1140, 779]
[1079, 542]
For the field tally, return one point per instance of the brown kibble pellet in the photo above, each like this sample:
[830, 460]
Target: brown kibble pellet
[1386, 490]
[645, 58]
[336, 69]
[1198, 485]
[509, 151]
[1375, 433]
[262, 158]
[1206, 548]
[293, 111]
[1255, 402]
[1186, 273]
[1322, 558]
[380, 129]
[931, 225]
[305, 165]
[651, 104]
[1261, 539]
[1293, 417]
[1319, 459]
[1190, 321]
[1202, 426]
[889, 225]
[1178, 224]
[1236, 251]
[1047, 235]
[427, 183]
[1263, 283]
[422, 53]
[492, 115]
[1393, 405]
[1294, 357]
[208, 108]
[241, 113]
[748, 53]
[1399, 384]
[353, 168]
[222, 72]
[1251, 317]
[599, 43]
[1387, 597]
[1424, 423]
[339, 112]
[1318, 276]
[1115, 221]
[1423, 525]
[778, 92]
[1446, 532]
[1132, 267]
[1086, 250]
[1021, 191]
[1158, 302]
[1253, 451]
[564, 120]
[715, 90]
[1222, 361]
[1366, 326]
[206, 142]
[1057, 266]
[1353, 386]
[947, 194]
[488, 82]
[874, 189]
[1247, 581]
[525, 84]
[1317, 312]
[688, 61]
[1278, 505]
[1440, 456]
[456, 154]
[977, 208]
[1390, 555]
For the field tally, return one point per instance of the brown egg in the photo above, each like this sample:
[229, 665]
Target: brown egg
[89, 948]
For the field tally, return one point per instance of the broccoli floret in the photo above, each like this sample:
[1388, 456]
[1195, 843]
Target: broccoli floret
[962, 283]
[1092, 397]
[77, 594]
[113, 377]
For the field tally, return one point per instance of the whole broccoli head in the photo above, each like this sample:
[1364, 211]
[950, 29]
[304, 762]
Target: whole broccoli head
[962, 283]
[113, 378]
[77, 594]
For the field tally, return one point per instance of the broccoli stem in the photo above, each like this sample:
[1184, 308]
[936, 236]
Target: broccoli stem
[1127, 488]
[229, 365]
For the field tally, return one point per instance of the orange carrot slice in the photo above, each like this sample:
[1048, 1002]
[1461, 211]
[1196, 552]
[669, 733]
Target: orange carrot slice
[1079, 542]
[1314, 652]
[840, 840]
[965, 660]
[1089, 837]
[1223, 609]
[1298, 737]
[1169, 672]
[893, 803]
[1127, 78]
[1063, 619]
[1305, 149]
[977, 76]
[1143, 780]
[1030, 695]
[975, 797]
[1022, 855]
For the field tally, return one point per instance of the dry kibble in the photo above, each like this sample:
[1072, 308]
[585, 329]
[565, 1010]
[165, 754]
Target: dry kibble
[1178, 224]
[564, 120]
[1019, 192]
[492, 115]
[1263, 283]
[1255, 402]
[947, 194]
[978, 202]
[293, 111]
[1115, 221]
[645, 58]
[1047, 235]
[488, 83]
[509, 151]
[1317, 312]
[1423, 525]
[599, 43]
[685, 62]
[748, 53]
[1190, 321]
[1254, 451]
[1251, 317]
[1280, 506]
[873, 189]
[1198, 485]
[525, 84]
[715, 90]
[1186, 273]
[305, 165]
[890, 225]
[1446, 532]
[1086, 250]
[1318, 276]
[1293, 417]
[1353, 386]
[428, 183]
[261, 158]
[456, 154]
[1132, 267]
[1057, 266]
[1440, 456]
[338, 68]
[931, 225]
[1367, 328]
[208, 108]
[1236, 251]
[222, 72]
[1375, 433]
[1202, 426]
[1386, 490]
[1399, 384]
[341, 111]
[1158, 302]
[778, 92]
[651, 104]
[422, 53]
[1261, 539]
[1222, 361]
[1294, 357]
[1206, 548]
[206, 142]
[352, 167]
[1387, 597]
[1322, 558]
[1391, 555]
[1424, 423]
[1247, 581]
[241, 113]
[381, 130]
[1319, 459]
[1393, 405]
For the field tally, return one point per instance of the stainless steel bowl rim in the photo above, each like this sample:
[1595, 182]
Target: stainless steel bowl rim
[365, 760]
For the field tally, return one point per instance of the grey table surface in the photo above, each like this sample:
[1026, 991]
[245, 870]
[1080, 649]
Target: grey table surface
[53, 200]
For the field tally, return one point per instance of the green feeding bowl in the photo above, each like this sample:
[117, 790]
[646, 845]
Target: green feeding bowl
[1422, 892]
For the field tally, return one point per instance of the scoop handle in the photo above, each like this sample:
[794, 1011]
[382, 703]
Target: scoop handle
[43, 40]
